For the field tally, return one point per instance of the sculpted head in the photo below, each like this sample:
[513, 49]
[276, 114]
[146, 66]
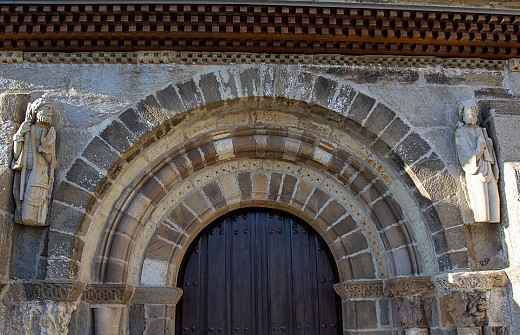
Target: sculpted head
[42, 111]
[468, 111]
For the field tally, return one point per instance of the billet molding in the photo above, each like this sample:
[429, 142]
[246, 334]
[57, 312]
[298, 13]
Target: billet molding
[241, 58]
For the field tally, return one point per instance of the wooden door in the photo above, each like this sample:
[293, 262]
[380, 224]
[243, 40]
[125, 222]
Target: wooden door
[258, 272]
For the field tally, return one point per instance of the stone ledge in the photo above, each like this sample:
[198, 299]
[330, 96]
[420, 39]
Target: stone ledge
[156, 295]
[228, 58]
[407, 286]
[39, 291]
[108, 293]
[482, 280]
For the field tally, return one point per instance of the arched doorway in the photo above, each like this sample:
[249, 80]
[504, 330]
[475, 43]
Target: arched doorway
[258, 271]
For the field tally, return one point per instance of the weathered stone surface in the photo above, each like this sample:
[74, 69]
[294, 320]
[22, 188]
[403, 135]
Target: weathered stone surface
[395, 132]
[323, 90]
[210, 88]
[84, 175]
[65, 218]
[190, 95]
[467, 78]
[156, 295]
[6, 236]
[412, 148]
[250, 82]
[28, 247]
[380, 118]
[360, 108]
[117, 135]
[368, 76]
[169, 99]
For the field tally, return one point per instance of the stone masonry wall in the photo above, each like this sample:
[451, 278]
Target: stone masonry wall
[93, 98]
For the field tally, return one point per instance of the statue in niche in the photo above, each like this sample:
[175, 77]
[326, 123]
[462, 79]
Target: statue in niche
[477, 159]
[34, 162]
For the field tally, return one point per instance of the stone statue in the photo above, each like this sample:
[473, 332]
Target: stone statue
[34, 162]
[477, 159]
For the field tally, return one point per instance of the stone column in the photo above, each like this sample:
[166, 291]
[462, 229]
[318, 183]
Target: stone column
[109, 304]
[154, 310]
[108, 319]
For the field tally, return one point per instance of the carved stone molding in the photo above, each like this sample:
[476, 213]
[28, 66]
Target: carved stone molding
[227, 58]
[40, 291]
[400, 287]
[156, 295]
[470, 281]
[49, 317]
[108, 293]
[351, 290]
[396, 287]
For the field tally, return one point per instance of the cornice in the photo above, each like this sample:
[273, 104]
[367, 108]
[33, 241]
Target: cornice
[272, 29]
[230, 58]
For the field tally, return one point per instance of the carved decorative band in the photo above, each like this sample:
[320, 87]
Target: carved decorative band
[258, 28]
[482, 281]
[108, 294]
[402, 287]
[351, 290]
[227, 58]
[39, 291]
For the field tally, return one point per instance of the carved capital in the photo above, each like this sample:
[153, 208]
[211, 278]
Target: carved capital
[465, 309]
[49, 317]
[412, 312]
[471, 281]
[365, 289]
[108, 293]
[400, 287]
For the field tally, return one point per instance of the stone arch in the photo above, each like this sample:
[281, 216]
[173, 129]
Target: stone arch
[373, 124]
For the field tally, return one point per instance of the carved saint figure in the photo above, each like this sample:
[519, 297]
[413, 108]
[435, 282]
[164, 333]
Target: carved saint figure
[477, 159]
[34, 162]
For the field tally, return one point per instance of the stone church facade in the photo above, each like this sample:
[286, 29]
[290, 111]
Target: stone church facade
[342, 115]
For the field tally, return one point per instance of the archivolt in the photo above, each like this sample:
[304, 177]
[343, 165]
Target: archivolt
[257, 156]
[325, 106]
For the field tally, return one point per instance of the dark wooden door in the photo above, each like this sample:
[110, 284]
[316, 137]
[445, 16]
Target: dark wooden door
[258, 272]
